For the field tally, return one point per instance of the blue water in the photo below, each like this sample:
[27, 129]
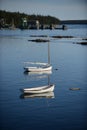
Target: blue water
[65, 109]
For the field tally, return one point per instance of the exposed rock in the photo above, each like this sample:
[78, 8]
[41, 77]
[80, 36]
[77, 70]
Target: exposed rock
[62, 37]
[40, 40]
[82, 43]
[84, 39]
[38, 36]
[74, 89]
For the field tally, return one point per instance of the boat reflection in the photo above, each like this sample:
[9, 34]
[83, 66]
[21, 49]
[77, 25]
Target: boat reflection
[39, 95]
[38, 73]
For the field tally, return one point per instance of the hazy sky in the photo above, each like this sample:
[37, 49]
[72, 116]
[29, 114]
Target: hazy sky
[62, 9]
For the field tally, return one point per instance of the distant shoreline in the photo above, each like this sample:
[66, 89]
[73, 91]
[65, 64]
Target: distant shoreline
[73, 21]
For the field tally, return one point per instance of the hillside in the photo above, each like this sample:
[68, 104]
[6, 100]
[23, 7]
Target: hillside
[17, 16]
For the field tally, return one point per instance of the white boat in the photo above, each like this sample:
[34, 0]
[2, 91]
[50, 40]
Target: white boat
[43, 66]
[37, 90]
[35, 73]
[38, 69]
[38, 95]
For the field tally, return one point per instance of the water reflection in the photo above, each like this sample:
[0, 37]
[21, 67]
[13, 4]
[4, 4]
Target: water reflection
[38, 73]
[39, 95]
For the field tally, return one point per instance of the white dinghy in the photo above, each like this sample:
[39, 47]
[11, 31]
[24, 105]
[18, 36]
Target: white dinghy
[36, 73]
[43, 68]
[42, 89]
[38, 95]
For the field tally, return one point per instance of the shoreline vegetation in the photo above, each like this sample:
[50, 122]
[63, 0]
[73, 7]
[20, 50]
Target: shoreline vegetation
[13, 20]
[23, 21]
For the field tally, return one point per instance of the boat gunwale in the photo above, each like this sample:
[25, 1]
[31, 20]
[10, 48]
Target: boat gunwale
[42, 89]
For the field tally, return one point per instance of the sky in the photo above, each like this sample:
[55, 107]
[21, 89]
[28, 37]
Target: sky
[62, 9]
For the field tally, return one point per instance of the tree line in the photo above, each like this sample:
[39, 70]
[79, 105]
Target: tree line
[17, 16]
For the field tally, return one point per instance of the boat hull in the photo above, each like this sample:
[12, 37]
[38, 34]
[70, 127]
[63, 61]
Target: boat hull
[43, 89]
[38, 69]
[38, 95]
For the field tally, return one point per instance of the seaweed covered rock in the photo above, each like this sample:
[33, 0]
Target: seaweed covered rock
[38, 36]
[74, 89]
[82, 43]
[62, 37]
[39, 40]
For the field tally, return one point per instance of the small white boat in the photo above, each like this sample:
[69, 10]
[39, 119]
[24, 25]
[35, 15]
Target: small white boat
[38, 69]
[43, 89]
[38, 95]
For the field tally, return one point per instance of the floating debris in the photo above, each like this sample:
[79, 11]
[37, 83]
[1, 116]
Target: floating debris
[74, 88]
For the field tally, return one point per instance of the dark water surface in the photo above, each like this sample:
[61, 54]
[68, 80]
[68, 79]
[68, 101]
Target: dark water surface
[63, 109]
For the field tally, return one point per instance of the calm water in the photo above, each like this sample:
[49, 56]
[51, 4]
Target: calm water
[63, 109]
